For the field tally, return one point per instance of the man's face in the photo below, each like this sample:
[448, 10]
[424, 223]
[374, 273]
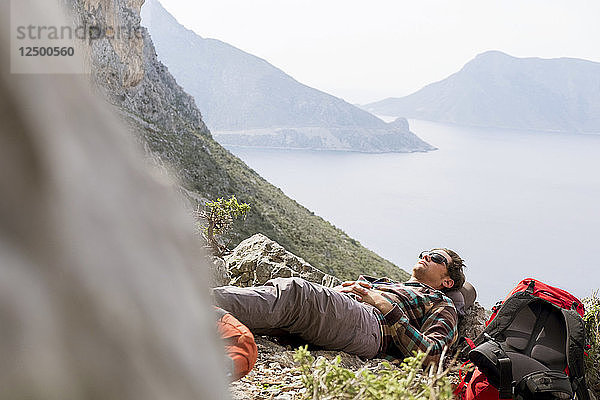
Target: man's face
[432, 273]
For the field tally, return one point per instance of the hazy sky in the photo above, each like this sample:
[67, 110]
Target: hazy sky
[366, 51]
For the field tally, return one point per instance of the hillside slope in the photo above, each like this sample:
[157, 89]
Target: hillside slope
[247, 101]
[170, 125]
[500, 91]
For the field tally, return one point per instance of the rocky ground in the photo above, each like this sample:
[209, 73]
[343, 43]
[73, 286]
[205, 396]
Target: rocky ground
[275, 376]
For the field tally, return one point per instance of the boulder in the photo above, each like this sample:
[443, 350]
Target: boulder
[258, 259]
[219, 275]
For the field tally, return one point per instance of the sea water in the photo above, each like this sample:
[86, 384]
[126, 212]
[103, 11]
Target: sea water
[513, 204]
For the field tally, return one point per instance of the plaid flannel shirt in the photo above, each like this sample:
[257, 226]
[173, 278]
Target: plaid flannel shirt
[422, 318]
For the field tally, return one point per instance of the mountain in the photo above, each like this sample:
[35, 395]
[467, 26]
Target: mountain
[247, 101]
[166, 121]
[500, 91]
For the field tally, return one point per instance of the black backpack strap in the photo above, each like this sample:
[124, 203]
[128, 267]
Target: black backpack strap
[575, 350]
[493, 361]
[505, 389]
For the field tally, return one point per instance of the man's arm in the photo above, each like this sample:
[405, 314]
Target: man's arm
[363, 290]
[438, 330]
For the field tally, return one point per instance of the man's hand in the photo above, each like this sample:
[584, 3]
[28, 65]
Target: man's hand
[353, 287]
[364, 292]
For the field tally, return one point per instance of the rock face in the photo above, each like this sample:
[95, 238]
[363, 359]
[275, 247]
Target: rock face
[258, 259]
[119, 22]
[248, 102]
[499, 91]
[128, 73]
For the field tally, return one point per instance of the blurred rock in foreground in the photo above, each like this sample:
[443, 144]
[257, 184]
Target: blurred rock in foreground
[101, 288]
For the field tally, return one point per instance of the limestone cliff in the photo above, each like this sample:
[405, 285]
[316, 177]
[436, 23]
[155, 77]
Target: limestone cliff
[119, 22]
[169, 124]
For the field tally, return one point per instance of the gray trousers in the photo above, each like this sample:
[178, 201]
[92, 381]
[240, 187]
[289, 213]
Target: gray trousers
[317, 314]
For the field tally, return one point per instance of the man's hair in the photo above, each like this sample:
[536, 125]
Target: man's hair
[455, 269]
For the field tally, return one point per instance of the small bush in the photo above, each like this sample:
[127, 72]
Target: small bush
[592, 332]
[325, 379]
[216, 220]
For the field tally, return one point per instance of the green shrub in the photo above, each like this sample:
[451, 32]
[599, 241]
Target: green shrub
[216, 220]
[325, 379]
[592, 332]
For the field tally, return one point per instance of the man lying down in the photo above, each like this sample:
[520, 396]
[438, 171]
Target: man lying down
[367, 317]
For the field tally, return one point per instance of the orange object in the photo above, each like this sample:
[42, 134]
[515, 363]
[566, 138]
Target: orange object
[239, 345]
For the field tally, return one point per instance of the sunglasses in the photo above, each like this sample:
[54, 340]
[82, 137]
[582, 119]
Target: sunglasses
[435, 257]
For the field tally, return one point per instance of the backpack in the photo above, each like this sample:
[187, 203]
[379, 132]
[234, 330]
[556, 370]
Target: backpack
[532, 348]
